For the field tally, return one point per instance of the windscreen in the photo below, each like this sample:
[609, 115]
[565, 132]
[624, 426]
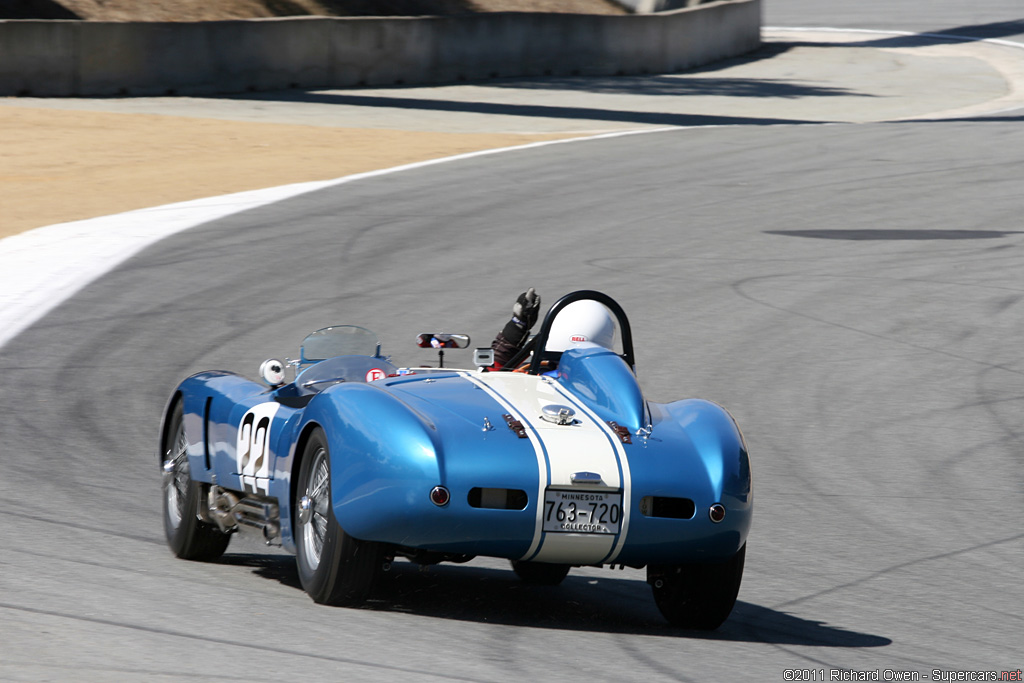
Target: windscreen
[341, 340]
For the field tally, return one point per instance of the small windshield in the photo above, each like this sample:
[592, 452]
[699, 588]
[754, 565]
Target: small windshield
[341, 340]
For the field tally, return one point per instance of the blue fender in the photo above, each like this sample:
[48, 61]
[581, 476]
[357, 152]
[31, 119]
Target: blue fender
[385, 457]
[214, 404]
[207, 400]
[387, 454]
[696, 452]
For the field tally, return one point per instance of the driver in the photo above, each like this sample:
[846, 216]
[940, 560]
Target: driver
[579, 322]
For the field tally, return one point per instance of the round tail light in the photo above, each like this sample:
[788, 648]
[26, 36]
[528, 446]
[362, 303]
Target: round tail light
[716, 512]
[439, 496]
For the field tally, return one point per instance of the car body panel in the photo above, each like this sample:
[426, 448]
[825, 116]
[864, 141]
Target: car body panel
[392, 440]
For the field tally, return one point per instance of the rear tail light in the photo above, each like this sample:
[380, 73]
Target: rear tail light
[716, 512]
[439, 496]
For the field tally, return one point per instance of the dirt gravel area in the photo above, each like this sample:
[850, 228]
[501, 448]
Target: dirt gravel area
[58, 166]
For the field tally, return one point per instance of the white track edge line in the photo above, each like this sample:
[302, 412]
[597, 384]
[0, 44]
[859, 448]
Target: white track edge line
[42, 268]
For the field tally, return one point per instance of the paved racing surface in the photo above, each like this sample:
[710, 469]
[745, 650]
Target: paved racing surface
[853, 293]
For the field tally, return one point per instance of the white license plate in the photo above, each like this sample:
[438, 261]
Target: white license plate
[582, 512]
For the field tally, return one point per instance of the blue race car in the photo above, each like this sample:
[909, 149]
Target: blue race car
[555, 463]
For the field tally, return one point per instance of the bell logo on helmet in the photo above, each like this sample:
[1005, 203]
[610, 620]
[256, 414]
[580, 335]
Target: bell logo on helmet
[581, 322]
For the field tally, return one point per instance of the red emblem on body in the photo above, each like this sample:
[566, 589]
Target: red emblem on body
[375, 374]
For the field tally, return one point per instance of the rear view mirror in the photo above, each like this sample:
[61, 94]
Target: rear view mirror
[436, 340]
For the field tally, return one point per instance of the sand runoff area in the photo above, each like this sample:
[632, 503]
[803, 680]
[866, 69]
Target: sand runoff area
[66, 165]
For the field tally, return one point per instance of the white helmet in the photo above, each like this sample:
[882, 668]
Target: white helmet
[580, 322]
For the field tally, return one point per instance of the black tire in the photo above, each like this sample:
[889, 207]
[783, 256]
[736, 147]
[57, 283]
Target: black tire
[189, 537]
[334, 568]
[540, 573]
[698, 596]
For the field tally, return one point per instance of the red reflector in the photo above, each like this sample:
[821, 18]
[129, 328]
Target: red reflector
[439, 496]
[717, 513]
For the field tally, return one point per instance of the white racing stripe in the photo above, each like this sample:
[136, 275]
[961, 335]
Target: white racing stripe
[626, 482]
[588, 445]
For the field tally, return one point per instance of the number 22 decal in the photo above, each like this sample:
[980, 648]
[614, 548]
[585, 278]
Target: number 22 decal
[253, 448]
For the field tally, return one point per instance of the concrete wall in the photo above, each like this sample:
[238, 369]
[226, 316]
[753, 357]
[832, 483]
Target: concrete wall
[66, 58]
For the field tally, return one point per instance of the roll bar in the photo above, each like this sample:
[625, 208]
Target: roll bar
[540, 341]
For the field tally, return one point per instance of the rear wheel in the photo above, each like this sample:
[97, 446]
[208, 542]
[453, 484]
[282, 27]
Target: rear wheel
[334, 568]
[697, 596]
[540, 573]
[189, 537]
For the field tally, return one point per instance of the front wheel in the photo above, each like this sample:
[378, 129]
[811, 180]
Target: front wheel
[540, 573]
[189, 537]
[698, 596]
[334, 568]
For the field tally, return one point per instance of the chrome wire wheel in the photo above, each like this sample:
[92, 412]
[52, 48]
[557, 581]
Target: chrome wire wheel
[334, 568]
[316, 498]
[177, 478]
[188, 536]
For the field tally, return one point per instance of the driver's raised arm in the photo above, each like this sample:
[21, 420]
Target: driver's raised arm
[517, 330]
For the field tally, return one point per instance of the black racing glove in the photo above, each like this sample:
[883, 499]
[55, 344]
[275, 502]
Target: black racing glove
[524, 315]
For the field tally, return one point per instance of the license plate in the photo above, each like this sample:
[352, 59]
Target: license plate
[582, 512]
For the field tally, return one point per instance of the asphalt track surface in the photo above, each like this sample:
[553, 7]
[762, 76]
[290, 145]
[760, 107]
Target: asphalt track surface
[853, 293]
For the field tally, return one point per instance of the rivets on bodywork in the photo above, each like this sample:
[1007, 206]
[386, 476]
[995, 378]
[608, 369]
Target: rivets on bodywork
[515, 425]
[620, 431]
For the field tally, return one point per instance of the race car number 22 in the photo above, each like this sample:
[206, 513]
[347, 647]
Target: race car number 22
[582, 512]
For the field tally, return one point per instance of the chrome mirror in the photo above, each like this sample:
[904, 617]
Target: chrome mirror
[437, 340]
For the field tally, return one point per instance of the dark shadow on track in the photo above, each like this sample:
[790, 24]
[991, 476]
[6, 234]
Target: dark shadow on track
[604, 604]
[999, 29]
[674, 86]
[531, 110]
[885, 235]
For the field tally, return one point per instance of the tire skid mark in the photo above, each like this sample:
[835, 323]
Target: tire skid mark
[740, 285]
[260, 646]
[636, 655]
[83, 527]
[78, 672]
[896, 567]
